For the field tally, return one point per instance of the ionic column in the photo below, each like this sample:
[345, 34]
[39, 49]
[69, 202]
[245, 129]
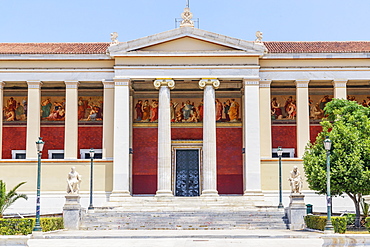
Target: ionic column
[209, 137]
[1, 115]
[33, 118]
[303, 116]
[340, 88]
[265, 119]
[251, 122]
[121, 161]
[71, 121]
[108, 119]
[164, 138]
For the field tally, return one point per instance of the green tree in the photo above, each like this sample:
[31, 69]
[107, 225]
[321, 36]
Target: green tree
[7, 199]
[348, 127]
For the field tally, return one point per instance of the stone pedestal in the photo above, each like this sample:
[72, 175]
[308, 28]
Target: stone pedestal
[72, 212]
[296, 212]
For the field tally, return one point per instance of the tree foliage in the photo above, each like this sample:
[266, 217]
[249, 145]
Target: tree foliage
[348, 127]
[7, 199]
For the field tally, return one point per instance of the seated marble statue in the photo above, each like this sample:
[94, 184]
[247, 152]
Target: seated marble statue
[295, 181]
[74, 180]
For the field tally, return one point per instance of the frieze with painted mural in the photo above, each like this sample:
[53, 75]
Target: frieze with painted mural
[187, 110]
[15, 108]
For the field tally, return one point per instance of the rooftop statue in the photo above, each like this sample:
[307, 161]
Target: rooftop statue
[113, 37]
[259, 36]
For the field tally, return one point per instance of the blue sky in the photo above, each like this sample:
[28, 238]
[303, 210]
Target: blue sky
[94, 20]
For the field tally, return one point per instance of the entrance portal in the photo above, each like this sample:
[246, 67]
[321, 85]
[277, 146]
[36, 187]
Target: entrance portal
[187, 172]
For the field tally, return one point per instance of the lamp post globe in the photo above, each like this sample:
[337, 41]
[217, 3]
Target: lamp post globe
[280, 154]
[39, 148]
[329, 226]
[92, 152]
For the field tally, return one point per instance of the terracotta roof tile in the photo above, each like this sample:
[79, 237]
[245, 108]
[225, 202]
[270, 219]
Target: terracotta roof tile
[53, 48]
[317, 46]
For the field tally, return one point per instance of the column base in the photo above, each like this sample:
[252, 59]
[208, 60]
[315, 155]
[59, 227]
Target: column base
[165, 193]
[209, 193]
[118, 196]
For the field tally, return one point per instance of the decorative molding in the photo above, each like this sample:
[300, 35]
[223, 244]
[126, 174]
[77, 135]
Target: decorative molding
[302, 83]
[122, 81]
[186, 18]
[164, 83]
[71, 84]
[204, 82]
[340, 83]
[108, 84]
[265, 83]
[34, 84]
[251, 81]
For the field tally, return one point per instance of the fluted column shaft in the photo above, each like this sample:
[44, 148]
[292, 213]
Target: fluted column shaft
[303, 116]
[121, 161]
[164, 138]
[209, 138]
[33, 118]
[71, 122]
[265, 119]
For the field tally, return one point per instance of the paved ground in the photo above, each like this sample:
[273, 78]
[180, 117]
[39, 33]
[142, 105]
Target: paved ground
[179, 238]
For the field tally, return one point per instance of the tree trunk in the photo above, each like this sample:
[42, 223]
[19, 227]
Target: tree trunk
[356, 198]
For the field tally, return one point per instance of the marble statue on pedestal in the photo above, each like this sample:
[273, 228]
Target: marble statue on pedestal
[73, 181]
[295, 181]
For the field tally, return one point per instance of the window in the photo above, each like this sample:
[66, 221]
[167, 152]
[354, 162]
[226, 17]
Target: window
[56, 154]
[287, 153]
[85, 153]
[18, 154]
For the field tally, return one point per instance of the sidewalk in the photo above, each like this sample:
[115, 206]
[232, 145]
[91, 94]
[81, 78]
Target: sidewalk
[178, 238]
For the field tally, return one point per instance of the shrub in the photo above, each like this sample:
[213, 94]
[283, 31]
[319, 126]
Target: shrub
[350, 218]
[319, 223]
[25, 226]
[367, 223]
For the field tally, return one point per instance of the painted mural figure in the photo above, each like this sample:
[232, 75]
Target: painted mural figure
[226, 110]
[82, 106]
[318, 112]
[234, 111]
[200, 110]
[45, 108]
[173, 106]
[146, 111]
[154, 111]
[275, 109]
[219, 108]
[139, 113]
[287, 103]
[187, 109]
[19, 112]
[323, 101]
[292, 110]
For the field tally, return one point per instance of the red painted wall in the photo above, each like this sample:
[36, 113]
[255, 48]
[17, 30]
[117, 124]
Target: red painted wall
[229, 160]
[90, 137]
[284, 136]
[14, 138]
[144, 160]
[53, 137]
[314, 130]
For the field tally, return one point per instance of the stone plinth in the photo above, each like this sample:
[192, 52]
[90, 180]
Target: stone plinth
[72, 212]
[296, 212]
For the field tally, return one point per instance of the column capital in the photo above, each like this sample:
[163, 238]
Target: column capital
[251, 81]
[265, 83]
[340, 83]
[2, 84]
[34, 84]
[301, 83]
[108, 83]
[213, 82]
[71, 84]
[164, 83]
[122, 81]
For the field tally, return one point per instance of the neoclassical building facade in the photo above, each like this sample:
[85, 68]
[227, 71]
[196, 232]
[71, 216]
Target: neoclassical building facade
[185, 112]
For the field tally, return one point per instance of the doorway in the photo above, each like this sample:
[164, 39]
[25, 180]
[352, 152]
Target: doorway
[187, 170]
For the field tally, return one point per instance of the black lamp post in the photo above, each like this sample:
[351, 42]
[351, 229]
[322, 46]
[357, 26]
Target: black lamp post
[92, 152]
[280, 153]
[329, 227]
[39, 147]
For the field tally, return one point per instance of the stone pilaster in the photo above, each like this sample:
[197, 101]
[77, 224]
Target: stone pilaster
[265, 118]
[340, 88]
[33, 118]
[108, 119]
[303, 116]
[121, 161]
[1, 114]
[71, 121]
[164, 137]
[209, 137]
[251, 136]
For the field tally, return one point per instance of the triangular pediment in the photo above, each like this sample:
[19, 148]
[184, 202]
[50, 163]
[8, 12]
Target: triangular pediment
[189, 40]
